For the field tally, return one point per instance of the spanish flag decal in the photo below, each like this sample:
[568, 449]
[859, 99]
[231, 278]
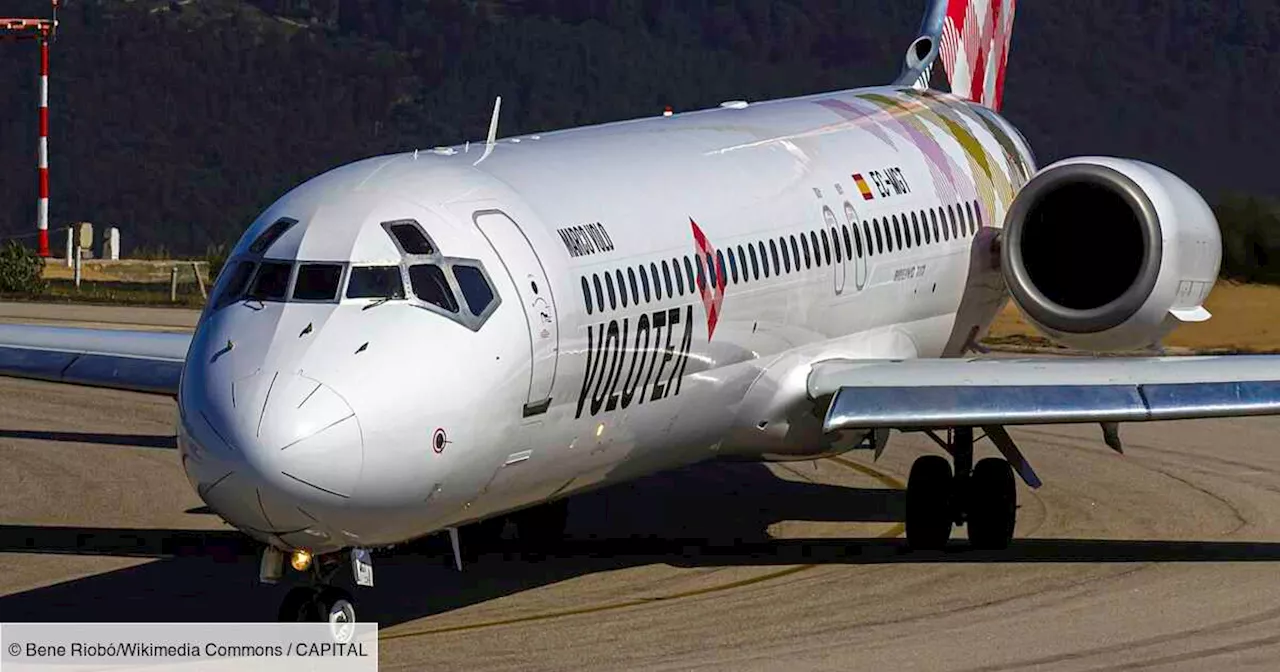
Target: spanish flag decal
[862, 186]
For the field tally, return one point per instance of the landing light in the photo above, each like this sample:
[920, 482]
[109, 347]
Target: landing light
[301, 560]
[599, 430]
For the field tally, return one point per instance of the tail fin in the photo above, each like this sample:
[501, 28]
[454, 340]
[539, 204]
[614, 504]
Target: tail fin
[973, 38]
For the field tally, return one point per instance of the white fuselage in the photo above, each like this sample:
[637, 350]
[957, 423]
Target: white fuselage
[331, 423]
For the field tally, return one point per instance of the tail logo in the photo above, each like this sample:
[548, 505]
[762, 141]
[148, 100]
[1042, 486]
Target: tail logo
[975, 48]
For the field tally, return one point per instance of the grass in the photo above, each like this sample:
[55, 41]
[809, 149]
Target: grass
[1246, 319]
[114, 293]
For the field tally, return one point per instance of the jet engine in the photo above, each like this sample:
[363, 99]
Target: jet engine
[1110, 254]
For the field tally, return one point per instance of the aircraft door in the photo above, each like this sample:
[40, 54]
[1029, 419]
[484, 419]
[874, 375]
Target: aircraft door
[859, 260]
[829, 220]
[530, 279]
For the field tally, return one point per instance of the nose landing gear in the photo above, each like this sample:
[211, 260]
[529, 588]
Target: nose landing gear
[320, 601]
[318, 604]
[983, 497]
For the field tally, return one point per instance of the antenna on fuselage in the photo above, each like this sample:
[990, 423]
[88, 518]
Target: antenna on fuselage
[493, 131]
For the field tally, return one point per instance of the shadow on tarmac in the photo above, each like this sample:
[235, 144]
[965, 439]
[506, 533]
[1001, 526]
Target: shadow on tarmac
[710, 515]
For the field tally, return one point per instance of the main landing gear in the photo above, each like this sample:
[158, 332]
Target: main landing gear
[983, 497]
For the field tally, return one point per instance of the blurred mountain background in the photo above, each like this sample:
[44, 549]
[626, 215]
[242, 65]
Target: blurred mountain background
[179, 120]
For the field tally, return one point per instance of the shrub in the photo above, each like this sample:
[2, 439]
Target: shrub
[21, 270]
[216, 257]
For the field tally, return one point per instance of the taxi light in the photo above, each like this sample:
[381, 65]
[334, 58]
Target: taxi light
[301, 560]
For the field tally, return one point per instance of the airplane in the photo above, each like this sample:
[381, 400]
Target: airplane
[464, 336]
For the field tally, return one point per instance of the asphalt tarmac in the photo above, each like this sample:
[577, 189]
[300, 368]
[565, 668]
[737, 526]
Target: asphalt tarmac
[1164, 558]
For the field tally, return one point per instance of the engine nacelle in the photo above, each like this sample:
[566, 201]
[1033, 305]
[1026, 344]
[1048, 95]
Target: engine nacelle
[1110, 254]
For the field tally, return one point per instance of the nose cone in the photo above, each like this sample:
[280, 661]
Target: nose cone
[271, 453]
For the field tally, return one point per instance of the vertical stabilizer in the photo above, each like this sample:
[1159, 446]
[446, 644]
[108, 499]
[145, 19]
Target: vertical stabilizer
[972, 38]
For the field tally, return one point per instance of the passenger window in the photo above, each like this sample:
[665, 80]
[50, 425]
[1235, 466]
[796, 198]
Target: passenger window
[635, 289]
[755, 263]
[897, 232]
[915, 229]
[410, 238]
[586, 295]
[848, 241]
[977, 209]
[764, 257]
[622, 287]
[795, 250]
[595, 280]
[657, 281]
[666, 277]
[675, 263]
[613, 296]
[773, 250]
[955, 225]
[786, 257]
[933, 218]
[804, 245]
[721, 278]
[866, 234]
[835, 238]
[317, 282]
[702, 275]
[688, 269]
[475, 289]
[375, 282]
[924, 221]
[271, 235]
[968, 211]
[644, 283]
[875, 224]
[817, 259]
[857, 241]
[237, 282]
[733, 266]
[272, 282]
[429, 285]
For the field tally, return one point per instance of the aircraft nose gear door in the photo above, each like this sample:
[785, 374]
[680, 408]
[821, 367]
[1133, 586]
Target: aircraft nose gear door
[859, 257]
[829, 219]
[530, 278]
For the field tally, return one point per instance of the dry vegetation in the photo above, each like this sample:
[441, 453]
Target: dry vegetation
[1246, 318]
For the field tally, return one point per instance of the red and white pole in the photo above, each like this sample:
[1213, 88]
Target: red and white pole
[42, 209]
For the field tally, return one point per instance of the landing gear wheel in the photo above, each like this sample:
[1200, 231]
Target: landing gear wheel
[336, 605]
[318, 605]
[993, 505]
[929, 495]
[299, 606]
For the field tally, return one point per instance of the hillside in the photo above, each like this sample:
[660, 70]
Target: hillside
[179, 120]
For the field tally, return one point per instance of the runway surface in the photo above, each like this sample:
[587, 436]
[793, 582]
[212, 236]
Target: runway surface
[1165, 558]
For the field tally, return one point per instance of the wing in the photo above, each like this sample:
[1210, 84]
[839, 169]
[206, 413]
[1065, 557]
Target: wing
[985, 392]
[141, 361]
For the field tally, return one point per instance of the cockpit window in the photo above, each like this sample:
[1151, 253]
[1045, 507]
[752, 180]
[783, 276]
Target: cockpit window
[375, 282]
[429, 284]
[237, 281]
[317, 282]
[475, 289]
[410, 238]
[271, 235]
[272, 281]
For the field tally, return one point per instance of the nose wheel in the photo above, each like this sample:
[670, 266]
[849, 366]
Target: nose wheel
[318, 604]
[983, 497]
